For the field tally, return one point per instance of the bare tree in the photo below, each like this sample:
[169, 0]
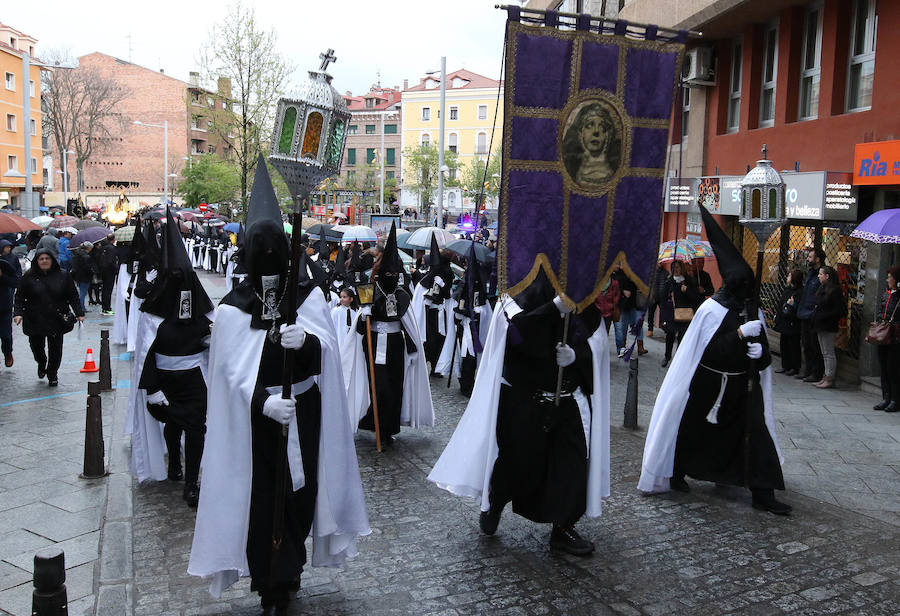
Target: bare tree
[240, 51]
[79, 106]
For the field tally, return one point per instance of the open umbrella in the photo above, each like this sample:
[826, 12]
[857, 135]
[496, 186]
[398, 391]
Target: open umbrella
[675, 250]
[63, 221]
[92, 234]
[43, 221]
[124, 234]
[315, 232]
[233, 227]
[701, 248]
[421, 238]
[10, 223]
[882, 227]
[356, 233]
[87, 224]
[482, 254]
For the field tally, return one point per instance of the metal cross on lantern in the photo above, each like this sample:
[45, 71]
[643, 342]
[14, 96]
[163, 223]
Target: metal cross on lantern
[327, 58]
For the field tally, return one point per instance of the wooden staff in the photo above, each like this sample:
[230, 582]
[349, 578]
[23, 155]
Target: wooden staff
[372, 393]
[559, 374]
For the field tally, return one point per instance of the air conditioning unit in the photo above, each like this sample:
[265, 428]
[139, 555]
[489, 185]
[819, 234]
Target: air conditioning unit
[698, 67]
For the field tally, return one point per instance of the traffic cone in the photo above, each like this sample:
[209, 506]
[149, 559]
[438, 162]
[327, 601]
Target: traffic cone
[89, 365]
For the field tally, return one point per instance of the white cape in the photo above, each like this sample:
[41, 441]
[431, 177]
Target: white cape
[120, 323]
[219, 549]
[148, 447]
[339, 320]
[448, 353]
[417, 408]
[466, 465]
[659, 447]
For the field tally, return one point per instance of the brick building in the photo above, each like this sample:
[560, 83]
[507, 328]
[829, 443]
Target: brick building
[373, 138]
[205, 107]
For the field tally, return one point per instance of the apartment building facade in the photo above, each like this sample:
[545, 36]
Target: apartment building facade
[373, 139]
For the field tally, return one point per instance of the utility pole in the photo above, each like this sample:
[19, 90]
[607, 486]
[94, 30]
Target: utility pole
[381, 190]
[440, 201]
[28, 206]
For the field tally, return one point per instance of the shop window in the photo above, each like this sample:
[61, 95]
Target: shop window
[861, 73]
[810, 68]
[769, 74]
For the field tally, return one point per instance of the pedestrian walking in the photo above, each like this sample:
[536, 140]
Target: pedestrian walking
[678, 293]
[44, 305]
[657, 296]
[706, 423]
[787, 324]
[889, 354]
[50, 242]
[84, 268]
[702, 281]
[607, 302]
[10, 274]
[813, 366]
[108, 268]
[830, 308]
[62, 248]
[321, 493]
[628, 311]
[516, 443]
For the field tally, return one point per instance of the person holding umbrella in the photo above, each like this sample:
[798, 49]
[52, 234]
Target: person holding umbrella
[42, 306]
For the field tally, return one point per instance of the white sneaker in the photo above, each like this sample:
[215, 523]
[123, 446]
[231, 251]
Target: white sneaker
[622, 352]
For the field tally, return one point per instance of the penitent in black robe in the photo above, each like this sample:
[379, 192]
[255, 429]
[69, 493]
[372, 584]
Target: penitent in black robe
[542, 464]
[738, 449]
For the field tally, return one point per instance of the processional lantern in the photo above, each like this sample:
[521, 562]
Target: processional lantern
[762, 204]
[310, 133]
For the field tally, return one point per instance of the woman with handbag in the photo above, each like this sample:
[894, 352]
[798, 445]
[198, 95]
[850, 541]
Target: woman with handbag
[676, 310]
[45, 301]
[787, 324]
[830, 309]
[889, 345]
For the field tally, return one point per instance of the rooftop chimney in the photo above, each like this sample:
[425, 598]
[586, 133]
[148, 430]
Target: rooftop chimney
[162, 71]
[406, 84]
[194, 78]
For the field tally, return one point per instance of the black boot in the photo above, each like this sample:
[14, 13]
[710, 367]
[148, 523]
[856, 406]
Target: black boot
[489, 520]
[882, 405]
[191, 493]
[568, 540]
[891, 407]
[678, 483]
[42, 371]
[765, 500]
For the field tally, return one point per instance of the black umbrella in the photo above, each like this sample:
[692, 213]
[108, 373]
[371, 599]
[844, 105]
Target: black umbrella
[461, 247]
[315, 232]
[153, 215]
[81, 225]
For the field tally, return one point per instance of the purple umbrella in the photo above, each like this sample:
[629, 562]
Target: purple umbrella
[93, 234]
[882, 227]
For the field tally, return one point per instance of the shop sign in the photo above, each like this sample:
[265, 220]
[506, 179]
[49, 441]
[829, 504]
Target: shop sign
[840, 197]
[820, 195]
[876, 163]
[681, 195]
[718, 194]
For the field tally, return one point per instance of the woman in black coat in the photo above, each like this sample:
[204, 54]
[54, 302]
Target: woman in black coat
[679, 292]
[787, 324]
[889, 354]
[43, 299]
[830, 309]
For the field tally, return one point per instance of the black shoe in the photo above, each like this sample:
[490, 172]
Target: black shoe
[882, 405]
[801, 375]
[780, 371]
[665, 362]
[175, 474]
[891, 408]
[568, 540]
[679, 484]
[387, 441]
[790, 372]
[42, 371]
[489, 520]
[772, 505]
[812, 378]
[191, 494]
[52, 380]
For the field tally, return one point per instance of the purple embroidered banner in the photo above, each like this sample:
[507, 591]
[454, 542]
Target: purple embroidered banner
[586, 129]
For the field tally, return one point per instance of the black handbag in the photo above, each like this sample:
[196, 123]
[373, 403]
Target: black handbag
[67, 319]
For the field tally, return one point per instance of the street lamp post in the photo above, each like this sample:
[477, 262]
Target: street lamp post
[172, 197]
[66, 176]
[165, 127]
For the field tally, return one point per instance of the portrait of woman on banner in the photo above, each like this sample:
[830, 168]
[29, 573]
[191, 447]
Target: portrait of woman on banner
[592, 144]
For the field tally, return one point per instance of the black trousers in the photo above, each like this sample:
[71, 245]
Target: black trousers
[6, 335]
[889, 362]
[109, 281]
[790, 352]
[812, 354]
[193, 450]
[651, 315]
[54, 347]
[674, 332]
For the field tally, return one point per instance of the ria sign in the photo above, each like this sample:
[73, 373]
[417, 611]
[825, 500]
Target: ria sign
[877, 163]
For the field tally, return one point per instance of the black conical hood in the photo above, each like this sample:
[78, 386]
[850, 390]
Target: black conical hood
[390, 258]
[340, 263]
[263, 202]
[434, 254]
[737, 276]
[356, 258]
[176, 256]
[324, 251]
[138, 246]
[151, 247]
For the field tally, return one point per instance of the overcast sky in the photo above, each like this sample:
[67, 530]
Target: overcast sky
[401, 38]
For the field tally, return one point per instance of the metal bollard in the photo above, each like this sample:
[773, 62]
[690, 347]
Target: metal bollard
[631, 395]
[49, 596]
[105, 375]
[94, 451]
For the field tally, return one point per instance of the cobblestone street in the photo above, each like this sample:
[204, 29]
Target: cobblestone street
[707, 552]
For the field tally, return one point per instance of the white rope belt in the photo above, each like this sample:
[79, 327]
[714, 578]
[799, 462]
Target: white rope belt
[713, 416]
[178, 362]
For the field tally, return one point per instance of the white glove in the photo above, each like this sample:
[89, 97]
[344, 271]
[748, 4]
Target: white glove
[439, 281]
[279, 409]
[754, 350]
[292, 336]
[158, 398]
[561, 305]
[565, 355]
[750, 329]
[365, 311]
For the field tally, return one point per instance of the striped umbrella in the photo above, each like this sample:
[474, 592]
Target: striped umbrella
[63, 221]
[675, 250]
[701, 248]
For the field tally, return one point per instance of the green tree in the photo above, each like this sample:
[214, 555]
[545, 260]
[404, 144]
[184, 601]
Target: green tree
[209, 180]
[472, 177]
[242, 54]
[422, 165]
